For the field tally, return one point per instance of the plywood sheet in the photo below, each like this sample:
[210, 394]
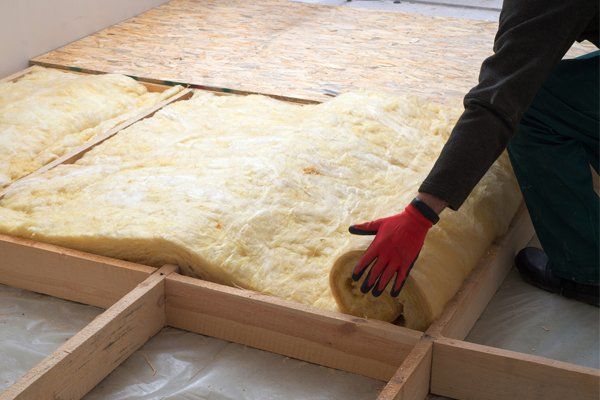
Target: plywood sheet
[289, 49]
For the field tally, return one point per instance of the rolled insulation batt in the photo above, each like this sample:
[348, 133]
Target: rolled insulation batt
[452, 249]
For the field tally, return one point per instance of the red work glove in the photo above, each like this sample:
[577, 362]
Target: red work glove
[398, 241]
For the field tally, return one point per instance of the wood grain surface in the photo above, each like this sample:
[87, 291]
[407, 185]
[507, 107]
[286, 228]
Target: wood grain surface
[67, 274]
[411, 380]
[292, 50]
[366, 347]
[469, 371]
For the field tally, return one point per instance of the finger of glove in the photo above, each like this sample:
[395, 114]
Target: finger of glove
[374, 275]
[367, 258]
[384, 280]
[366, 228]
[401, 279]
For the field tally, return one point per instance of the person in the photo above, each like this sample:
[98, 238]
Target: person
[545, 110]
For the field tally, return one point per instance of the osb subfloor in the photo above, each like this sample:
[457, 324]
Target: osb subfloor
[485, 10]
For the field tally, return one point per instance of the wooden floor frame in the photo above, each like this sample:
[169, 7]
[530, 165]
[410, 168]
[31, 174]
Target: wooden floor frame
[141, 300]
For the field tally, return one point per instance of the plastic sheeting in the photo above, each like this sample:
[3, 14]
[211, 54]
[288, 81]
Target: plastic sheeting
[32, 326]
[173, 365]
[523, 318]
[182, 365]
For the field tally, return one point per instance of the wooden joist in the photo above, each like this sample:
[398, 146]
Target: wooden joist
[17, 75]
[370, 348]
[411, 380]
[67, 274]
[471, 371]
[76, 153]
[79, 151]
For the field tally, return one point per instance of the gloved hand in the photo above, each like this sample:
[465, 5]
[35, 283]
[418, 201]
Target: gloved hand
[398, 241]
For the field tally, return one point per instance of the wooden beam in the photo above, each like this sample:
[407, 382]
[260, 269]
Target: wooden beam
[67, 274]
[370, 348]
[17, 75]
[411, 380]
[156, 86]
[89, 356]
[75, 154]
[470, 371]
[461, 313]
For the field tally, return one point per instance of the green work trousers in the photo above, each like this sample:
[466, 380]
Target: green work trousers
[551, 153]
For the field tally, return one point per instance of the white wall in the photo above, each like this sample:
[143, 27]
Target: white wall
[32, 27]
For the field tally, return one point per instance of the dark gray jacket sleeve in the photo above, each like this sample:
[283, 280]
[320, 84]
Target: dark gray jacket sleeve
[533, 36]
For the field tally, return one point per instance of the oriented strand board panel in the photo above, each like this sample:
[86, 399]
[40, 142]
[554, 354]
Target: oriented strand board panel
[289, 49]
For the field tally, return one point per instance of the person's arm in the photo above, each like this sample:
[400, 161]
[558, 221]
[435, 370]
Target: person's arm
[532, 38]
[435, 203]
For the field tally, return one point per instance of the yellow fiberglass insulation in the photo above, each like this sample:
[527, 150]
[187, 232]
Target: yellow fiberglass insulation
[257, 193]
[47, 112]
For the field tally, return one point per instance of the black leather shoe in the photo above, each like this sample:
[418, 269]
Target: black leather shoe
[534, 267]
